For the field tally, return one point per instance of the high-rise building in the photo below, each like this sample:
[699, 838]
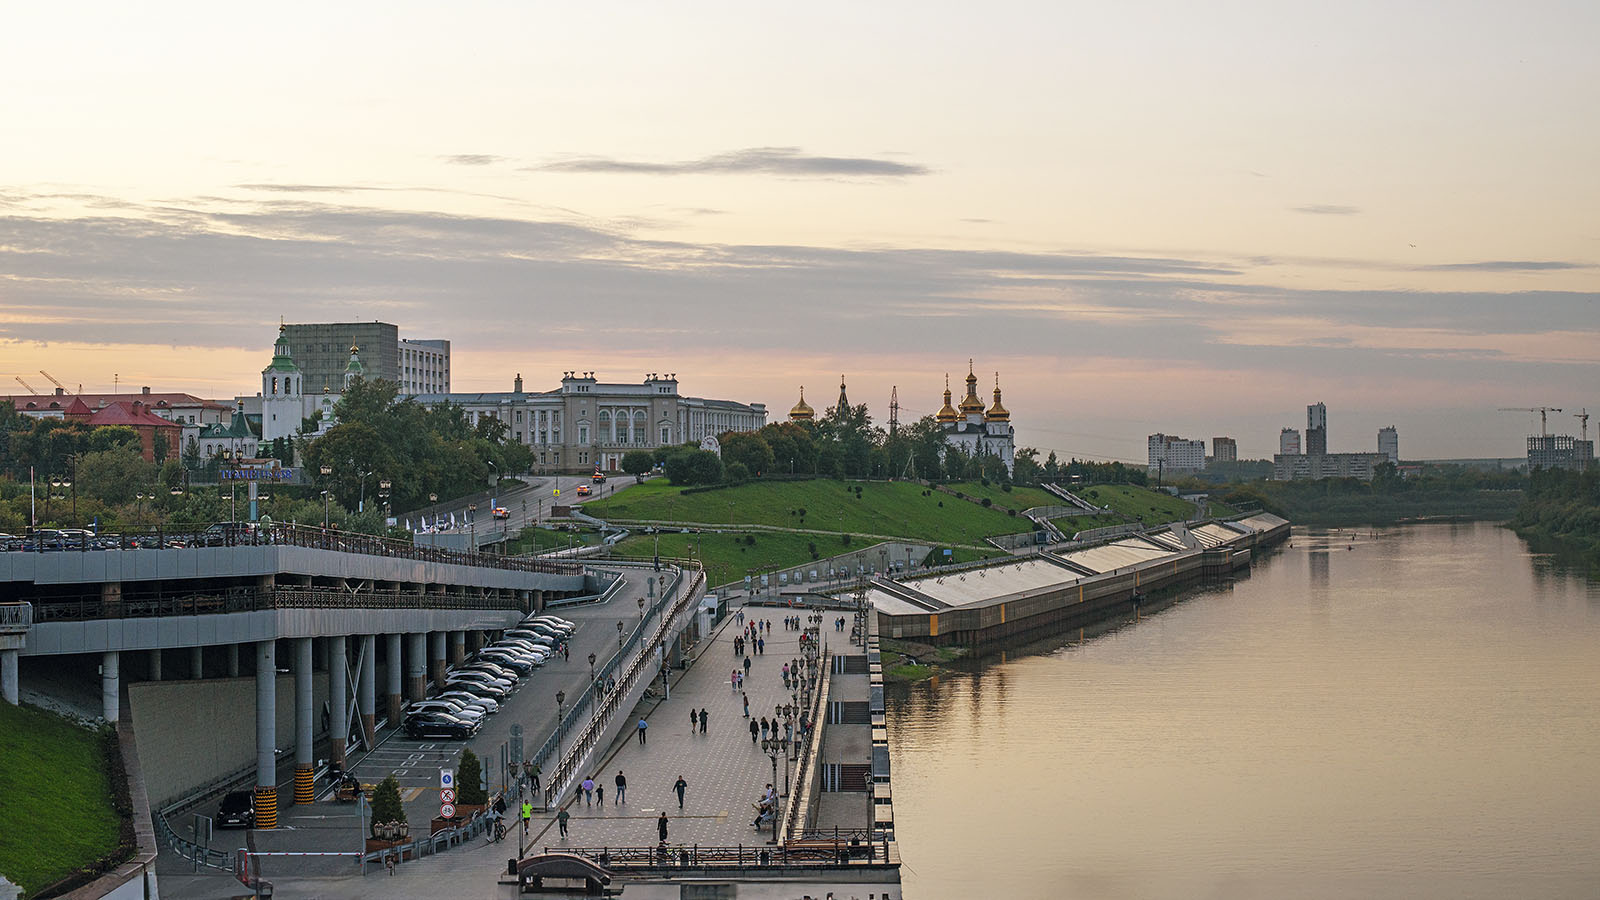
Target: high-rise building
[322, 351]
[1224, 450]
[1171, 453]
[424, 367]
[1389, 443]
[1289, 442]
[1559, 451]
[1316, 429]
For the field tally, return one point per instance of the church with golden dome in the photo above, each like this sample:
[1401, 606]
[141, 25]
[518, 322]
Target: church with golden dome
[978, 431]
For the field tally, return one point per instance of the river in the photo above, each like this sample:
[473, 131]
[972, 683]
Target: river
[1411, 712]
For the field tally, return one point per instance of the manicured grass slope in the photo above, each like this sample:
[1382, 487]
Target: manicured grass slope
[1134, 502]
[55, 798]
[1018, 498]
[898, 509]
[729, 556]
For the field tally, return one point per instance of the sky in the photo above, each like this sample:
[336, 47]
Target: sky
[1158, 216]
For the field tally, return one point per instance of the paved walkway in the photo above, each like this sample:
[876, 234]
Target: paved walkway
[725, 771]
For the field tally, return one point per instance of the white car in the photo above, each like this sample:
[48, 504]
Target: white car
[481, 677]
[459, 710]
[527, 654]
[474, 686]
[473, 700]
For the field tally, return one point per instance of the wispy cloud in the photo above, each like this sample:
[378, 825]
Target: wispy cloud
[1507, 265]
[308, 188]
[789, 161]
[1326, 209]
[472, 159]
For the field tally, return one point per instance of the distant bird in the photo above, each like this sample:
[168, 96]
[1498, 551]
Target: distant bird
[1413, 245]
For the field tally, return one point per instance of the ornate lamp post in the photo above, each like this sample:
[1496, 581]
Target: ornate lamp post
[774, 747]
[327, 495]
[591, 668]
[619, 634]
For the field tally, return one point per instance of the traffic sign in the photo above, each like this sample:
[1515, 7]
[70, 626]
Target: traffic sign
[447, 811]
[447, 795]
[447, 778]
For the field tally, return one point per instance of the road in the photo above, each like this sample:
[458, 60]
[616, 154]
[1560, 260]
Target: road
[528, 504]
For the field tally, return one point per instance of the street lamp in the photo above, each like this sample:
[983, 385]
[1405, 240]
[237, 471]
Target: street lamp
[561, 699]
[472, 526]
[641, 610]
[619, 632]
[591, 668]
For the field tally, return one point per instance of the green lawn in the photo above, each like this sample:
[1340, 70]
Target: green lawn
[55, 798]
[1071, 525]
[1134, 502]
[543, 540]
[898, 509]
[1018, 498]
[729, 556]
[1219, 509]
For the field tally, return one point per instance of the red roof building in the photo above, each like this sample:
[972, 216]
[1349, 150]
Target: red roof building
[134, 414]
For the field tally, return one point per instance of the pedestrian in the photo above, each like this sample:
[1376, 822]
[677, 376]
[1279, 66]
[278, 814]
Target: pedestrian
[622, 788]
[642, 726]
[764, 727]
[561, 821]
[746, 704]
[680, 786]
[661, 827]
[527, 815]
[588, 791]
[694, 720]
[536, 773]
[761, 646]
[702, 720]
[566, 652]
[600, 794]
[747, 667]
[388, 862]
[733, 679]
[753, 729]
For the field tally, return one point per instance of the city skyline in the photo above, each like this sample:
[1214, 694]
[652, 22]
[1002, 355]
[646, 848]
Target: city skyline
[1164, 219]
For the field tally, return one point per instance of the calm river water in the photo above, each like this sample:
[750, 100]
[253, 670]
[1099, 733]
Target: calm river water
[1410, 714]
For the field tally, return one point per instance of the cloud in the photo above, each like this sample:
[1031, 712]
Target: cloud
[1327, 209]
[787, 161]
[308, 188]
[472, 159]
[1506, 265]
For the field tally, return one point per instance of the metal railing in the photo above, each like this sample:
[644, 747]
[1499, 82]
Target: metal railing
[839, 850]
[252, 599]
[16, 617]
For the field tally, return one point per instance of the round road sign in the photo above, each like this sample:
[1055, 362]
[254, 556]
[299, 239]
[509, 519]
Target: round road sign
[447, 796]
[447, 811]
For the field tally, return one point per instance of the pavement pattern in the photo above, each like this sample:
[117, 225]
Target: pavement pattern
[726, 772]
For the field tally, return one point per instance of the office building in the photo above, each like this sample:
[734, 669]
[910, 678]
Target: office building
[1389, 443]
[1289, 442]
[1224, 450]
[1316, 429]
[424, 367]
[1170, 453]
[322, 350]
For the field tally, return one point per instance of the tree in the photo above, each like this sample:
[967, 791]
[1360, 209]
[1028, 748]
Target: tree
[694, 467]
[747, 449]
[386, 805]
[638, 462]
[114, 475]
[469, 775]
[160, 447]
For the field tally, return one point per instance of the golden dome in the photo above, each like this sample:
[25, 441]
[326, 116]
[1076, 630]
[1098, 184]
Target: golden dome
[947, 414]
[802, 411]
[971, 403]
[997, 413]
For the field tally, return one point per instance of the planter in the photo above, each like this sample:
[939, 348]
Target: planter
[375, 844]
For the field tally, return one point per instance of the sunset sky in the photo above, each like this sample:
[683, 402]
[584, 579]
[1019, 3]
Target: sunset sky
[1159, 216]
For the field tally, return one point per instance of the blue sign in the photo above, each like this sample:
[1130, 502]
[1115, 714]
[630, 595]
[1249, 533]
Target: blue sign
[257, 474]
[949, 552]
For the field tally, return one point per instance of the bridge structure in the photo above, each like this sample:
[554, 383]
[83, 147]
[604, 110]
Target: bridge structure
[329, 607]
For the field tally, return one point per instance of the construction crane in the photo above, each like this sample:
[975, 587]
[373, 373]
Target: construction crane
[25, 384]
[53, 380]
[1583, 423]
[1541, 410]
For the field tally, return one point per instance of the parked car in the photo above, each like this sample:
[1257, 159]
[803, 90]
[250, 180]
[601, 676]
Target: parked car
[449, 707]
[483, 677]
[474, 686]
[507, 659]
[556, 621]
[522, 649]
[492, 669]
[238, 810]
[226, 534]
[435, 724]
[468, 698]
[10, 542]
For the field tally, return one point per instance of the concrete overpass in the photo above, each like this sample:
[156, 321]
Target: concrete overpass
[332, 606]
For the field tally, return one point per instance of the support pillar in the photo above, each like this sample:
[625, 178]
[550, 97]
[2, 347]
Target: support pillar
[367, 694]
[338, 699]
[233, 660]
[155, 664]
[394, 679]
[436, 658]
[304, 791]
[9, 688]
[417, 666]
[266, 734]
[197, 662]
[458, 647]
[111, 686]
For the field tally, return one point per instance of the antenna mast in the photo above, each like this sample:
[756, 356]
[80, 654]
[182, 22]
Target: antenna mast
[894, 410]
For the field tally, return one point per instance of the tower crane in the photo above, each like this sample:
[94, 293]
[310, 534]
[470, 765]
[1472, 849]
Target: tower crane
[53, 380]
[1583, 423]
[25, 384]
[1541, 410]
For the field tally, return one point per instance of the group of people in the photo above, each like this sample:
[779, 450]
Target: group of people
[766, 808]
[591, 791]
[697, 718]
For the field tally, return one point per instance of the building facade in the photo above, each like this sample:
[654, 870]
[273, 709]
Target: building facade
[424, 367]
[1289, 442]
[1298, 466]
[1171, 453]
[1316, 429]
[1389, 443]
[1224, 450]
[1559, 451]
[321, 351]
[971, 428]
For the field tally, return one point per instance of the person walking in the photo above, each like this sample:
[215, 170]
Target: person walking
[746, 704]
[680, 786]
[764, 727]
[588, 791]
[694, 720]
[761, 646]
[753, 729]
[561, 821]
[702, 720]
[642, 726]
[527, 816]
[733, 680]
[622, 788]
[535, 776]
[600, 794]
[661, 827]
[747, 667]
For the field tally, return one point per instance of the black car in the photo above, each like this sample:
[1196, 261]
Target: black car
[434, 724]
[238, 810]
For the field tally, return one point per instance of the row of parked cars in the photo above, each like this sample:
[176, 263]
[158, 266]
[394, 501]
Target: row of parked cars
[474, 689]
[47, 540]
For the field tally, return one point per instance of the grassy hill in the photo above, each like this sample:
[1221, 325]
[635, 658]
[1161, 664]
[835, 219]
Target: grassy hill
[55, 796]
[1135, 503]
[1019, 498]
[729, 556]
[899, 509]
[1071, 525]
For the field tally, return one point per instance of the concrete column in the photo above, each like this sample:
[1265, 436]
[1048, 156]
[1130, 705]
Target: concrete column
[155, 664]
[8, 675]
[436, 657]
[458, 647]
[266, 734]
[394, 680]
[233, 660]
[417, 666]
[197, 662]
[111, 685]
[338, 698]
[303, 708]
[366, 690]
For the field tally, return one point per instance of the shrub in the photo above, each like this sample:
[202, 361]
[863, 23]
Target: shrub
[987, 503]
[844, 539]
[468, 777]
[1006, 487]
[386, 805]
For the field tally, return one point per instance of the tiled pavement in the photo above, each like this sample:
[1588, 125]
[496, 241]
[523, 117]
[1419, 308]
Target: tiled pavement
[725, 771]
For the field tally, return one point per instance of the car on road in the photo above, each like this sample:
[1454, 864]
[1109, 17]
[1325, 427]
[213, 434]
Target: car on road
[434, 724]
[598, 478]
[583, 490]
[471, 699]
[238, 810]
[500, 512]
[449, 707]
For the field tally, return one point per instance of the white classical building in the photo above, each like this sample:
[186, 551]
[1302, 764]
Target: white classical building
[977, 431]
